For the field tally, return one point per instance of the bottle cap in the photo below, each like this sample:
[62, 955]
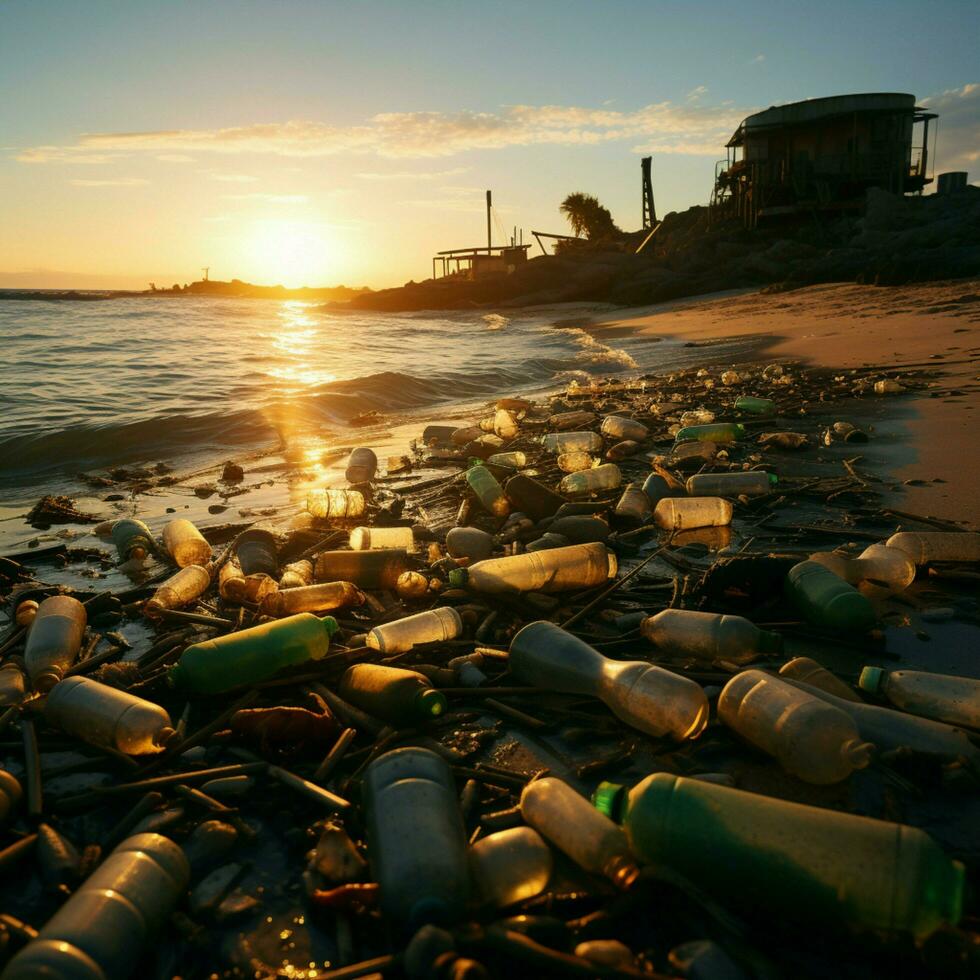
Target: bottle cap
[430, 703]
[47, 679]
[459, 578]
[770, 642]
[739, 429]
[870, 679]
[330, 625]
[609, 799]
[859, 754]
[773, 479]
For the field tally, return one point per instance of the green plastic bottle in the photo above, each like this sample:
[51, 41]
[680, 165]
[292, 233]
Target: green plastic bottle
[824, 599]
[399, 697]
[755, 406]
[488, 491]
[252, 655]
[790, 860]
[713, 432]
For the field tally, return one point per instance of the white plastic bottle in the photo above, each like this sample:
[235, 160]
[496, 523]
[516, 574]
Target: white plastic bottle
[335, 503]
[924, 547]
[579, 566]
[682, 513]
[569, 442]
[878, 570]
[185, 543]
[618, 427]
[187, 586]
[103, 715]
[599, 478]
[749, 483]
[577, 829]
[510, 866]
[709, 637]
[955, 700]
[322, 597]
[811, 739]
[432, 626]
[373, 538]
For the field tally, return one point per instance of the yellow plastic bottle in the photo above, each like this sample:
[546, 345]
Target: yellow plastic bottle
[322, 597]
[579, 566]
[185, 543]
[682, 513]
[187, 586]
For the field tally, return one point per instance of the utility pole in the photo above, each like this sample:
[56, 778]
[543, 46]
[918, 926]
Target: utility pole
[206, 270]
[489, 235]
[649, 208]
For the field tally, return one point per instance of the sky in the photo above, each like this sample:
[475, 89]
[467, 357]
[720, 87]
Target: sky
[318, 143]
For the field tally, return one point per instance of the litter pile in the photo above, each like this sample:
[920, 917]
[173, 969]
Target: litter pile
[619, 695]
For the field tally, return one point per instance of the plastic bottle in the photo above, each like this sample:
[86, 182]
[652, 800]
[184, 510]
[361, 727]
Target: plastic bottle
[319, 598]
[532, 498]
[656, 488]
[297, 574]
[335, 503]
[955, 700]
[750, 483]
[133, 539]
[810, 672]
[10, 795]
[366, 569]
[13, 682]
[185, 543]
[755, 406]
[877, 571]
[715, 432]
[375, 538]
[826, 600]
[504, 424]
[599, 478]
[416, 838]
[575, 462]
[547, 541]
[590, 839]
[399, 697]
[105, 716]
[54, 639]
[709, 637]
[579, 529]
[488, 491]
[252, 655]
[617, 427]
[361, 466]
[682, 513]
[187, 586]
[103, 928]
[579, 566]
[819, 867]
[412, 585]
[469, 542]
[649, 698]
[810, 738]
[510, 866]
[401, 635]
[235, 586]
[570, 442]
[257, 552]
[515, 460]
[924, 547]
[634, 505]
[571, 420]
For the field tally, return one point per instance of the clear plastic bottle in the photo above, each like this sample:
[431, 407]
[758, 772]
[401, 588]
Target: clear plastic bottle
[810, 672]
[657, 488]
[755, 406]
[709, 637]
[575, 462]
[605, 477]
[955, 700]
[401, 635]
[335, 503]
[634, 505]
[416, 838]
[826, 600]
[714, 432]
[570, 442]
[510, 866]
[819, 867]
[571, 420]
[133, 539]
[515, 460]
[924, 547]
[579, 566]
[810, 738]
[296, 575]
[682, 513]
[877, 571]
[375, 538]
[187, 586]
[319, 598]
[469, 542]
[750, 483]
[13, 682]
[116, 913]
[532, 498]
[185, 543]
[399, 697]
[235, 586]
[366, 569]
[590, 839]
[488, 491]
[618, 427]
[252, 655]
[649, 698]
[54, 639]
[106, 716]
[361, 466]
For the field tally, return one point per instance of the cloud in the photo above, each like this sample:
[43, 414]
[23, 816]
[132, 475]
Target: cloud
[695, 94]
[111, 182]
[757, 60]
[175, 158]
[235, 178]
[269, 198]
[62, 154]
[415, 175]
[958, 139]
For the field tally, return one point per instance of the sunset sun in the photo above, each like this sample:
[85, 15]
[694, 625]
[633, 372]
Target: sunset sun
[291, 252]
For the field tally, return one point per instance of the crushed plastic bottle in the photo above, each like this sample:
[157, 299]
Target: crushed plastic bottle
[488, 491]
[187, 586]
[955, 700]
[510, 866]
[375, 538]
[361, 465]
[320, 598]
[888, 387]
[133, 540]
[570, 442]
[368, 570]
[925, 547]
[235, 586]
[709, 637]
[811, 739]
[714, 432]
[750, 483]
[399, 697]
[185, 543]
[296, 575]
[810, 672]
[401, 635]
[617, 427]
[579, 566]
[575, 462]
[54, 639]
[826, 600]
[335, 503]
[818, 867]
[108, 717]
[649, 698]
[605, 477]
[411, 585]
[504, 424]
[682, 513]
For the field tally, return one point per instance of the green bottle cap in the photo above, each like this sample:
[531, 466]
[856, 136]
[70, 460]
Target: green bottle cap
[770, 642]
[871, 679]
[330, 625]
[739, 429]
[430, 703]
[610, 799]
[458, 578]
[773, 479]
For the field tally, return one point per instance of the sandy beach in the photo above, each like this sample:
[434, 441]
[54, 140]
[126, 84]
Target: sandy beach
[927, 326]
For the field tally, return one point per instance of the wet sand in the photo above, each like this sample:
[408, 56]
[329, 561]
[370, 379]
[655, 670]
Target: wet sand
[931, 326]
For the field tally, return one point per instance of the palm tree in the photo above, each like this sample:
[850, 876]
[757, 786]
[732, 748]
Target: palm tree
[587, 216]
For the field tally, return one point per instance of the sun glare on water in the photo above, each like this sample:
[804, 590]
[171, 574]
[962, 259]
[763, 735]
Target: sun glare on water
[292, 253]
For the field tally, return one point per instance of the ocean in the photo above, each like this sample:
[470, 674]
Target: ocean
[91, 385]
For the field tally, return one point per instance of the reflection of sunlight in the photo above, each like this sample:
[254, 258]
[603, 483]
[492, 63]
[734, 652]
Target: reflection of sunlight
[295, 340]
